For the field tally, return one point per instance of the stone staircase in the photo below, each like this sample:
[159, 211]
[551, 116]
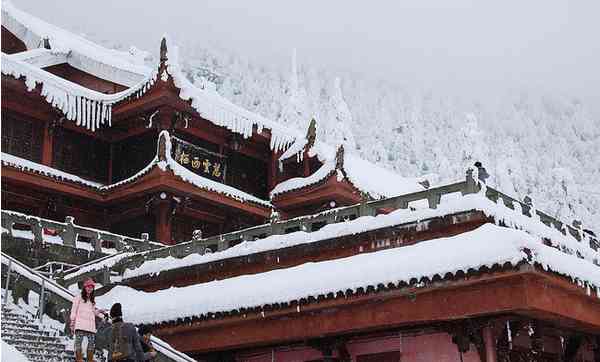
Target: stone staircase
[35, 340]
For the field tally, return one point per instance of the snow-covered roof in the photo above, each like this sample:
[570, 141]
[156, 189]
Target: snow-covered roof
[487, 246]
[26, 165]
[364, 175]
[116, 66]
[451, 205]
[87, 107]
[220, 111]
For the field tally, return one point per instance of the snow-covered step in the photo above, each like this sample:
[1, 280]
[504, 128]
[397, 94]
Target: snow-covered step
[36, 340]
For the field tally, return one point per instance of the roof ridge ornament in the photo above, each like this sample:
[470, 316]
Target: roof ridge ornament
[339, 158]
[311, 134]
[163, 50]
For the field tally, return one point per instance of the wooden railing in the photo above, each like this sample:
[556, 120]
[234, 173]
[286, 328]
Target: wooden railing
[70, 233]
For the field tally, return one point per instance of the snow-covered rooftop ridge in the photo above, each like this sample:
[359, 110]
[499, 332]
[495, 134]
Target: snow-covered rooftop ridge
[297, 183]
[26, 165]
[220, 111]
[87, 107]
[500, 213]
[98, 60]
[488, 246]
[366, 176]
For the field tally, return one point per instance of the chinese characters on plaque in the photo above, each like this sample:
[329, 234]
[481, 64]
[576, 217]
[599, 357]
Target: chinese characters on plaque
[198, 160]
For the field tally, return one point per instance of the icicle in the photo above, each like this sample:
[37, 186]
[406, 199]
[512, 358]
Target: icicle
[103, 117]
[110, 115]
[89, 114]
[92, 106]
[78, 101]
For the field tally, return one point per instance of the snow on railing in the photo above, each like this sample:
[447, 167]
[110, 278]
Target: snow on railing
[442, 200]
[70, 234]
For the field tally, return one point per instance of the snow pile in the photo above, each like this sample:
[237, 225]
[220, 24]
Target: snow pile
[99, 264]
[364, 175]
[296, 183]
[119, 67]
[489, 245]
[10, 354]
[218, 110]
[499, 212]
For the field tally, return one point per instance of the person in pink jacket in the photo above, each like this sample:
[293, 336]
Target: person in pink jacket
[83, 320]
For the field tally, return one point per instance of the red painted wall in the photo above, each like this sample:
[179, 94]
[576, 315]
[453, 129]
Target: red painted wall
[420, 348]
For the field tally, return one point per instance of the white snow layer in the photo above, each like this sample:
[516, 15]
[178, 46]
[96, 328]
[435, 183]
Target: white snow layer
[364, 175]
[119, 67]
[10, 354]
[488, 245]
[220, 111]
[26, 165]
[499, 212]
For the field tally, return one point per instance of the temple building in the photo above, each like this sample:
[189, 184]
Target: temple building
[251, 241]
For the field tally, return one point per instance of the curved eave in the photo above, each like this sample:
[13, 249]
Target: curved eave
[502, 291]
[150, 179]
[325, 190]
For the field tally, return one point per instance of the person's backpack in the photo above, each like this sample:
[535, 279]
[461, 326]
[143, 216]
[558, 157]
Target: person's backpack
[120, 345]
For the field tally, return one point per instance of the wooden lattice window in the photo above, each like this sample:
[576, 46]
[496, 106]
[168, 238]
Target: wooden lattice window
[22, 137]
[132, 155]
[81, 155]
[247, 174]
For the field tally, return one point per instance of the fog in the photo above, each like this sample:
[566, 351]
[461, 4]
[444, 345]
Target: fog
[459, 46]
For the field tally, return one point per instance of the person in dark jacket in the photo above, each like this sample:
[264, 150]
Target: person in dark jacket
[145, 333]
[125, 342]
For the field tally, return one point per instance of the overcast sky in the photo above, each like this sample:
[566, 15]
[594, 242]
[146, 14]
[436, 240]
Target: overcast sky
[456, 45]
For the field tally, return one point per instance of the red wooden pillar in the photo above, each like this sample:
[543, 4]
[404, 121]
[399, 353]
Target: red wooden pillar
[163, 219]
[490, 344]
[111, 155]
[272, 171]
[48, 143]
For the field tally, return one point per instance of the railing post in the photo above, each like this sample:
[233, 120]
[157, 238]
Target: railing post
[41, 301]
[7, 223]
[7, 281]
[433, 199]
[146, 240]
[97, 242]
[105, 276]
[36, 229]
[470, 183]
[119, 244]
[69, 236]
